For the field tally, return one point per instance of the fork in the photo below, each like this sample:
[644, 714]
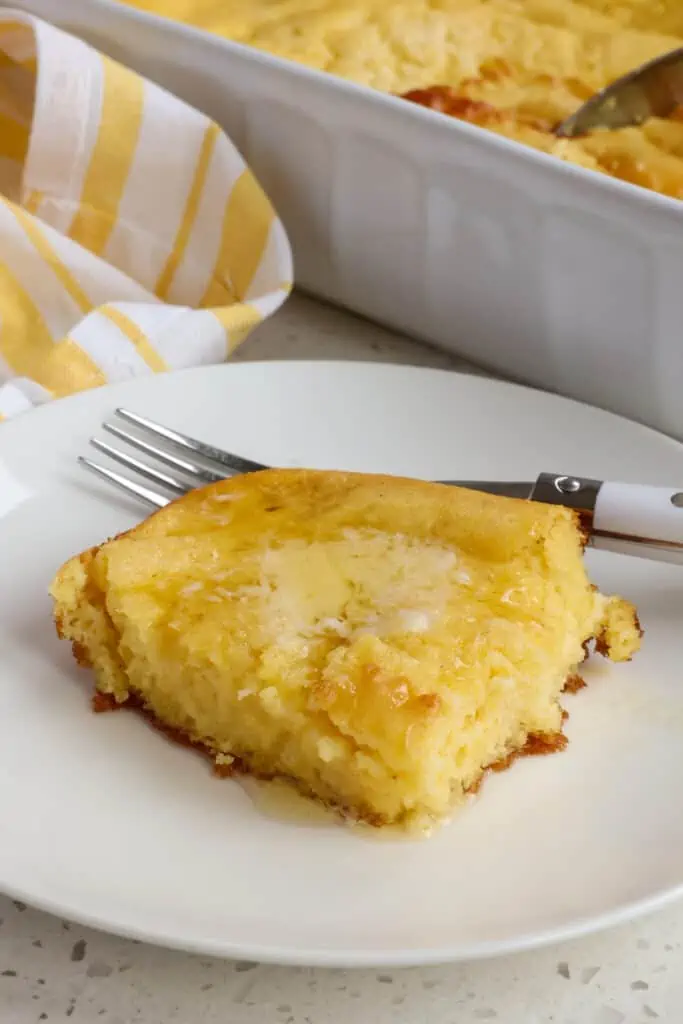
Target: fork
[628, 518]
[190, 474]
[204, 465]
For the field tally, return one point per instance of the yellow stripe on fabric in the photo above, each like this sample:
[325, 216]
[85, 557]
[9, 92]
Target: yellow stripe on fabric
[29, 64]
[33, 201]
[25, 341]
[26, 63]
[18, 29]
[246, 223]
[237, 321]
[70, 369]
[6, 61]
[219, 293]
[240, 320]
[190, 212]
[137, 336]
[61, 271]
[13, 139]
[123, 98]
[29, 350]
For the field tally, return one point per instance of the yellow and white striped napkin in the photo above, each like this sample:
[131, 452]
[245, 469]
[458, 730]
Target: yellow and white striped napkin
[133, 238]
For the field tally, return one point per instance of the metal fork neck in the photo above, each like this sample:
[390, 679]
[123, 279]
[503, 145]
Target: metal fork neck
[577, 492]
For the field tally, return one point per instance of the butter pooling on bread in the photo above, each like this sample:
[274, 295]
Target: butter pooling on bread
[379, 642]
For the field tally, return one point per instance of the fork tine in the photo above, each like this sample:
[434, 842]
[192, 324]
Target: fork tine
[173, 484]
[145, 494]
[203, 475]
[235, 463]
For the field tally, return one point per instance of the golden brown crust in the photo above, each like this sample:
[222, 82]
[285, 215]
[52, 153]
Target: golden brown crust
[81, 655]
[536, 745]
[651, 160]
[574, 683]
[447, 100]
[601, 644]
[602, 641]
[105, 702]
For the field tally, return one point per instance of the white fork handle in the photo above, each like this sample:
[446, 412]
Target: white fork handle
[638, 520]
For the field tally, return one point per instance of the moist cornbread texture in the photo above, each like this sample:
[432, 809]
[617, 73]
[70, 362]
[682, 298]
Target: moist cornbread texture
[378, 642]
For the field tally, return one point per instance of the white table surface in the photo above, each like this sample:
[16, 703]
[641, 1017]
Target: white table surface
[54, 971]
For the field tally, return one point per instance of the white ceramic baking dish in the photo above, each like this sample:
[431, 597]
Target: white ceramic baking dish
[537, 269]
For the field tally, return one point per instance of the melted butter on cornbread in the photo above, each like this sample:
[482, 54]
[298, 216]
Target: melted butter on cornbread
[377, 641]
[534, 61]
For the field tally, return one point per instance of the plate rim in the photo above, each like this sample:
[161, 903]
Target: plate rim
[475, 376]
[280, 956]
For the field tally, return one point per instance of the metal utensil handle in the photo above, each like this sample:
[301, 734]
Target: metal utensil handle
[631, 519]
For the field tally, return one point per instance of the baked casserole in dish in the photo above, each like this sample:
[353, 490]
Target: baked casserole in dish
[515, 67]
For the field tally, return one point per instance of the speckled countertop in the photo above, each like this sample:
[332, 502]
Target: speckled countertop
[54, 971]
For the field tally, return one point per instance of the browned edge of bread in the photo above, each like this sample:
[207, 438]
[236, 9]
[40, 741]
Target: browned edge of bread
[536, 745]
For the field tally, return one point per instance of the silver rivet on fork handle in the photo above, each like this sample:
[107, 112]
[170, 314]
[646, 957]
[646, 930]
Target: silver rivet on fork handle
[580, 493]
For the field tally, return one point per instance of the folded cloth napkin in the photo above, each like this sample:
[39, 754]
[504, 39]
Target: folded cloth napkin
[133, 238]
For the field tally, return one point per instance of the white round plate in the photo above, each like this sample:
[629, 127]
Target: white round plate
[107, 823]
